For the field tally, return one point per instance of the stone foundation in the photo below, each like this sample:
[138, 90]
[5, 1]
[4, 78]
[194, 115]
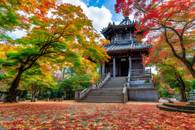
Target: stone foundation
[142, 94]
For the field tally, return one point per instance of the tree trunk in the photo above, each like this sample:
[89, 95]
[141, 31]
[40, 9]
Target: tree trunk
[12, 93]
[182, 89]
[183, 95]
[189, 67]
[35, 92]
[33, 98]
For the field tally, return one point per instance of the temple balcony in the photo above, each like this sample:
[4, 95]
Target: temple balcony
[120, 41]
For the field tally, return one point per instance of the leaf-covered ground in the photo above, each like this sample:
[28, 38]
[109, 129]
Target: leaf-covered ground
[84, 116]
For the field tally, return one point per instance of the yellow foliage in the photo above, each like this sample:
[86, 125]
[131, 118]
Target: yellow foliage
[2, 55]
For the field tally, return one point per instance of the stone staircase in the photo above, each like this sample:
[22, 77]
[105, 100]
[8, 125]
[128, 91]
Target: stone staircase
[111, 92]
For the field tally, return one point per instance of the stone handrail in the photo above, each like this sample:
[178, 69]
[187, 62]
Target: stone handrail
[125, 86]
[85, 92]
[125, 93]
[129, 77]
[104, 81]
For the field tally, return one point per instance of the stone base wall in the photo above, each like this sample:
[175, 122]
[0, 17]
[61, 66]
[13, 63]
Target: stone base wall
[142, 94]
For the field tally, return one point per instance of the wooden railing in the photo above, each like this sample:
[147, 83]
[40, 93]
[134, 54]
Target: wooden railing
[86, 91]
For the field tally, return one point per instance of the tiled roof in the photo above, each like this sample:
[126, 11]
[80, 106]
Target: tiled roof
[126, 46]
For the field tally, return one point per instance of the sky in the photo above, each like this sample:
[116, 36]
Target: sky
[101, 12]
[109, 4]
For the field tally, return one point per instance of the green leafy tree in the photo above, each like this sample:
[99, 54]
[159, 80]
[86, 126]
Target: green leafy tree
[35, 79]
[65, 37]
[174, 79]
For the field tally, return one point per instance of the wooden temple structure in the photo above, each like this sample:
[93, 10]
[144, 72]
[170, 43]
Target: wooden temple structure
[127, 55]
[125, 51]
[124, 75]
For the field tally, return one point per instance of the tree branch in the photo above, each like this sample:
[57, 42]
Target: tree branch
[186, 26]
[170, 45]
[180, 39]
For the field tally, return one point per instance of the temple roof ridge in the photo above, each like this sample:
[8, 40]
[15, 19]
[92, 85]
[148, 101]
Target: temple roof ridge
[126, 21]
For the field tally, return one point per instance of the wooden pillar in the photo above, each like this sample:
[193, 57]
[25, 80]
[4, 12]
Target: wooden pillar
[130, 69]
[103, 69]
[130, 64]
[114, 67]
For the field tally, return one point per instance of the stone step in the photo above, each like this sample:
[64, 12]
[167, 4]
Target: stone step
[186, 107]
[103, 101]
[104, 97]
[108, 89]
[113, 83]
[110, 92]
[116, 81]
[168, 108]
[105, 93]
[113, 86]
[140, 85]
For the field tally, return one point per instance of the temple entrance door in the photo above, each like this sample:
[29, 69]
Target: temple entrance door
[124, 67]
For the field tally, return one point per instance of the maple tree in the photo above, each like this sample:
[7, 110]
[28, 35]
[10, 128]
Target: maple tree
[170, 73]
[58, 35]
[172, 18]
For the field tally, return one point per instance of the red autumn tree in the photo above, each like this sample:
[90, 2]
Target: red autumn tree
[175, 19]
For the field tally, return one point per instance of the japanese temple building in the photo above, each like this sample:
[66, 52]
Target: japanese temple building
[125, 52]
[125, 76]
